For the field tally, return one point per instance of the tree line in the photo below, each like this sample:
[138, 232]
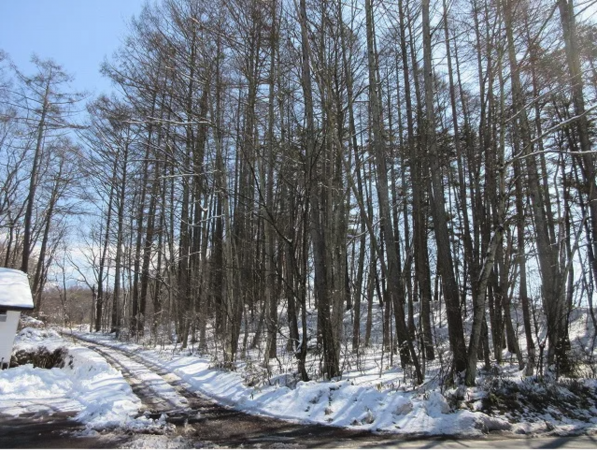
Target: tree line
[261, 161]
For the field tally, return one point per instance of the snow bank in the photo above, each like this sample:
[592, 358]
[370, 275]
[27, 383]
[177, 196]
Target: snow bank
[26, 382]
[107, 398]
[87, 385]
[341, 403]
[368, 400]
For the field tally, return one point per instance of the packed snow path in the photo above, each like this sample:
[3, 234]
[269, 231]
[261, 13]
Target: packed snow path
[157, 394]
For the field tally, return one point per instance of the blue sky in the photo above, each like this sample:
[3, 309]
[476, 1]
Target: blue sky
[78, 34]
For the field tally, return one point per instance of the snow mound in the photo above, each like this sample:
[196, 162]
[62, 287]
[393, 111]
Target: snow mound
[87, 386]
[27, 382]
[437, 405]
[495, 424]
[28, 321]
[30, 334]
[108, 400]
[403, 407]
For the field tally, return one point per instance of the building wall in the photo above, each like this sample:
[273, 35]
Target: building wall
[8, 330]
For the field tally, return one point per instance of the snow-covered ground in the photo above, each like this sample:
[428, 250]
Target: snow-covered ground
[87, 385]
[367, 397]
[356, 403]
[360, 400]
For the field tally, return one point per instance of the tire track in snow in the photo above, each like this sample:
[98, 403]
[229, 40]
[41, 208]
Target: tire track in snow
[156, 393]
[182, 404]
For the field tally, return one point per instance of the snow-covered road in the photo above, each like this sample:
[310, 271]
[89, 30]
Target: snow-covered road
[157, 392]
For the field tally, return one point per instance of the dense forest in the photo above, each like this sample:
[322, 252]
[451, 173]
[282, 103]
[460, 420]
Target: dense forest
[266, 163]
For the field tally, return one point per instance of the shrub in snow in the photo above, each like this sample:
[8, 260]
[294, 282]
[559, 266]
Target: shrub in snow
[29, 322]
[42, 357]
[564, 400]
[33, 335]
[284, 379]
[456, 397]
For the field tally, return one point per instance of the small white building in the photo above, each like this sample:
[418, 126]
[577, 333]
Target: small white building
[15, 296]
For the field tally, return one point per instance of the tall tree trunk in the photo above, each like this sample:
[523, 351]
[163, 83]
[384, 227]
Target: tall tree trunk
[122, 157]
[444, 257]
[331, 367]
[407, 352]
[27, 224]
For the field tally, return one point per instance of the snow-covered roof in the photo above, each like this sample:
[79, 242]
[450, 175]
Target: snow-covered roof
[15, 292]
